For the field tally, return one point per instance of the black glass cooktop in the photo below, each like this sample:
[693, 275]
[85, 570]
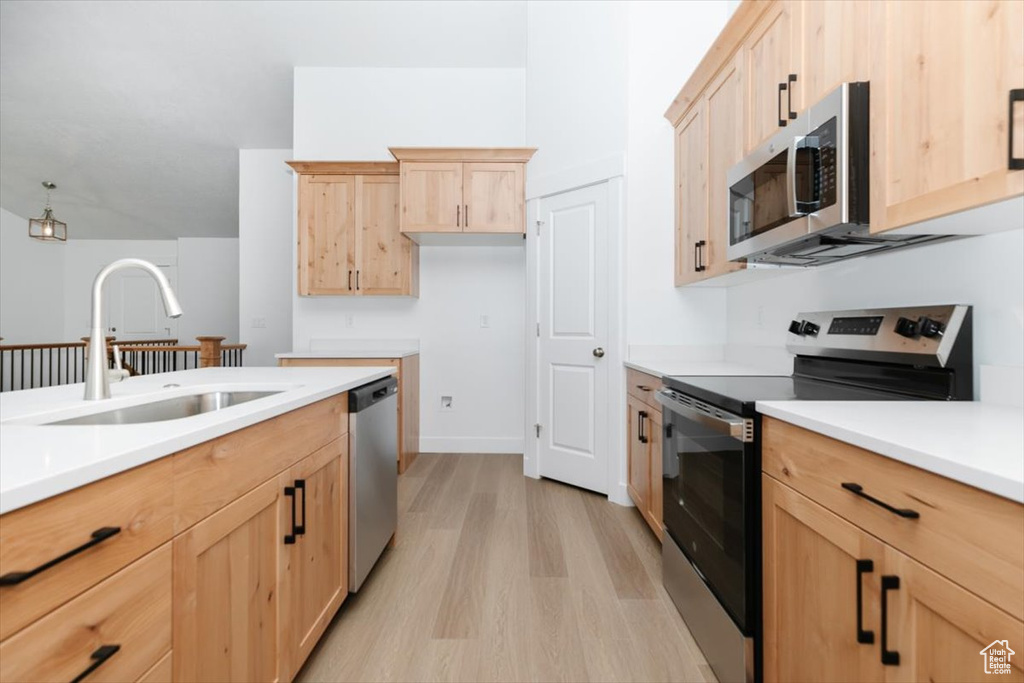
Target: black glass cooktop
[738, 393]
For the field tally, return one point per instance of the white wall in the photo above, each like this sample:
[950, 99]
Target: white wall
[208, 287]
[666, 42]
[982, 271]
[358, 114]
[31, 284]
[265, 283]
[575, 86]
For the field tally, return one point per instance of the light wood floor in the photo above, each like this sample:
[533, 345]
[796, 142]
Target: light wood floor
[498, 577]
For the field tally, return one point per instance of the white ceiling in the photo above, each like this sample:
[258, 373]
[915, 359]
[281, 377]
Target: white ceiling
[137, 109]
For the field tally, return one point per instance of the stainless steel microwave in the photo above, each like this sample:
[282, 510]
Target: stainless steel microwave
[801, 198]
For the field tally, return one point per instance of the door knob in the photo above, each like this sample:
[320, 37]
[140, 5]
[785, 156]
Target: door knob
[599, 352]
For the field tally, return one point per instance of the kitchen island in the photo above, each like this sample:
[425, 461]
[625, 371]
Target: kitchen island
[248, 504]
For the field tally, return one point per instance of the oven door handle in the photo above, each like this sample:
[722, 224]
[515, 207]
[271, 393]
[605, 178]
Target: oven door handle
[727, 424]
[791, 200]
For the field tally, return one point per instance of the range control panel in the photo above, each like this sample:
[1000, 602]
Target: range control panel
[925, 331]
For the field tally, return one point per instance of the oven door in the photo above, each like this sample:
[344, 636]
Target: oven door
[710, 484]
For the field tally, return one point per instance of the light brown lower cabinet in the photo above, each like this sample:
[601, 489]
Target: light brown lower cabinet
[842, 604]
[643, 451]
[259, 569]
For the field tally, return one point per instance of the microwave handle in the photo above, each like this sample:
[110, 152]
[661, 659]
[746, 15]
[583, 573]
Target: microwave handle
[791, 200]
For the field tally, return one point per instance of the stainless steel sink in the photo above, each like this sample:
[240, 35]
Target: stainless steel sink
[168, 409]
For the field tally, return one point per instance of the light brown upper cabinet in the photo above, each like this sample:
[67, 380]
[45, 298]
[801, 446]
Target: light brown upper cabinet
[348, 230]
[771, 61]
[941, 109]
[946, 111]
[462, 190]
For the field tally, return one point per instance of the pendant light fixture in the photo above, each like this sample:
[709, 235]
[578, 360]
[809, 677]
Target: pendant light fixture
[48, 228]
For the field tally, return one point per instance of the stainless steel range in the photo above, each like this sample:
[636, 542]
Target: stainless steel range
[711, 555]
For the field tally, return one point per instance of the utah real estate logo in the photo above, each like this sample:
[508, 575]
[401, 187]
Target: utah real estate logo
[997, 657]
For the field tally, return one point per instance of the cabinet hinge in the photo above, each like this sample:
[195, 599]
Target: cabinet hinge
[538, 329]
[537, 428]
[539, 223]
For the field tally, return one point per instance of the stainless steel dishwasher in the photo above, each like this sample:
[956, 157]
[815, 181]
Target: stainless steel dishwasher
[373, 475]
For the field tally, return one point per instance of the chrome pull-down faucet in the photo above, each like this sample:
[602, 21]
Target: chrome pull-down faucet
[97, 385]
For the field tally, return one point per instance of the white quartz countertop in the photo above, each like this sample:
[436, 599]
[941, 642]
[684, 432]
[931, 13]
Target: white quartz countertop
[352, 353]
[978, 444]
[38, 461]
[661, 368]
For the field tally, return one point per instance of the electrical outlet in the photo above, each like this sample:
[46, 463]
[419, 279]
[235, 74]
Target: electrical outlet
[259, 323]
[485, 321]
[349, 321]
[447, 403]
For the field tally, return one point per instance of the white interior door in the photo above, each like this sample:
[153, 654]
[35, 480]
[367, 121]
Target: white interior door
[134, 307]
[573, 305]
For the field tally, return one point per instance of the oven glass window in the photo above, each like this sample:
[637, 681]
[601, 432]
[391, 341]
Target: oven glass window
[706, 504]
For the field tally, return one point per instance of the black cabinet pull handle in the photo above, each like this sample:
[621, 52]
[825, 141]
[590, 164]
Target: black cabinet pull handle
[778, 109]
[889, 657]
[458, 215]
[863, 567]
[696, 257]
[703, 265]
[1016, 95]
[350, 280]
[467, 216]
[643, 435]
[101, 655]
[906, 513]
[357, 280]
[300, 485]
[97, 537]
[789, 95]
[290, 538]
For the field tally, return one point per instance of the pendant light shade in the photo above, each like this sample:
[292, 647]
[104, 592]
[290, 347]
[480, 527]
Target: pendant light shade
[46, 227]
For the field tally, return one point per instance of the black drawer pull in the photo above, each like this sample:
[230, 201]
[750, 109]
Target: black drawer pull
[101, 655]
[789, 95]
[1016, 95]
[98, 536]
[906, 513]
[778, 109]
[863, 567]
[889, 657]
[300, 485]
[290, 538]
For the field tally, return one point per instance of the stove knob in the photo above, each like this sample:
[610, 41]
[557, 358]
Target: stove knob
[807, 327]
[929, 327]
[795, 327]
[906, 327]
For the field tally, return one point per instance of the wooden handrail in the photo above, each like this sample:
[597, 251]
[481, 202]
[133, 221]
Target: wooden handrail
[154, 349]
[33, 347]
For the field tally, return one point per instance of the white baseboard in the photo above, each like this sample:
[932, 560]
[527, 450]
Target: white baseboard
[470, 444]
[617, 494]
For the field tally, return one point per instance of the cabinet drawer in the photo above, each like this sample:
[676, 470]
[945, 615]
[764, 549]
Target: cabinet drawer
[209, 476]
[130, 610]
[138, 502]
[972, 537]
[642, 386]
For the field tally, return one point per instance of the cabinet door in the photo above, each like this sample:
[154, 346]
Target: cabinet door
[384, 255]
[771, 54]
[836, 40]
[939, 629]
[653, 431]
[431, 196]
[940, 115]
[638, 455]
[493, 197]
[725, 149]
[691, 193]
[225, 597]
[314, 569]
[811, 581]
[326, 234]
